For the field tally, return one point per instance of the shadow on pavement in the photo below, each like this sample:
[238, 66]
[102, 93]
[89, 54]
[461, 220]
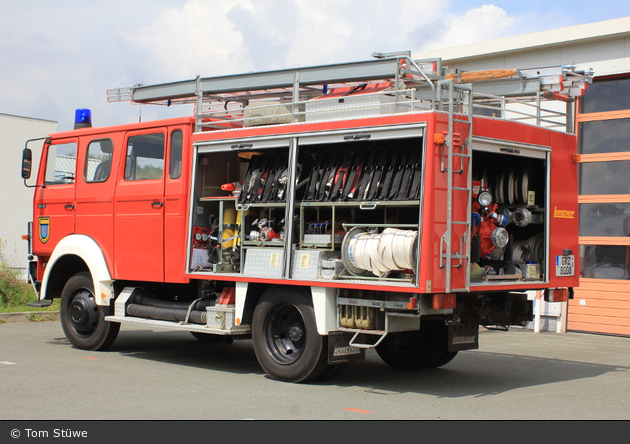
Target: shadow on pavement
[472, 373]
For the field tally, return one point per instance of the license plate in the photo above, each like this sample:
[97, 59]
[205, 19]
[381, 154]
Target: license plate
[565, 265]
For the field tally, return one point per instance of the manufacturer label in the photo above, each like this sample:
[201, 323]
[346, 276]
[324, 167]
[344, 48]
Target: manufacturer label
[340, 351]
[565, 265]
[563, 214]
[305, 260]
[343, 351]
[464, 339]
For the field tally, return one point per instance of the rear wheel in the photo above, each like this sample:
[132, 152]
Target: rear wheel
[415, 350]
[446, 357]
[81, 319]
[286, 342]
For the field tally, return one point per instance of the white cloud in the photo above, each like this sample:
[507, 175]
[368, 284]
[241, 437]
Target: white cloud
[476, 25]
[221, 37]
[62, 55]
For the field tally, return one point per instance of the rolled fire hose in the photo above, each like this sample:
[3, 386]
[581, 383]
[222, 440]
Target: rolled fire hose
[382, 253]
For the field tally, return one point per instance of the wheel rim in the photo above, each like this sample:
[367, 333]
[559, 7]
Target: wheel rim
[83, 312]
[285, 333]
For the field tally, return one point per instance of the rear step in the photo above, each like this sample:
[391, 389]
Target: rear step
[41, 304]
[168, 325]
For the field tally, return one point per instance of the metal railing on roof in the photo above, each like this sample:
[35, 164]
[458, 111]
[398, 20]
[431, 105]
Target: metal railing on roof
[295, 95]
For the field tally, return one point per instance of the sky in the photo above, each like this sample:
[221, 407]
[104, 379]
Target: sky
[60, 55]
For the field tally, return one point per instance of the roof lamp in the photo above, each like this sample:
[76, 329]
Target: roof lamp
[82, 118]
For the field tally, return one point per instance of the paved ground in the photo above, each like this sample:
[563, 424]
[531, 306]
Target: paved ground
[165, 375]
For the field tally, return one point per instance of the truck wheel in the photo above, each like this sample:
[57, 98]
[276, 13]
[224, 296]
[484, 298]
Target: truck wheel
[81, 319]
[446, 357]
[415, 350]
[286, 342]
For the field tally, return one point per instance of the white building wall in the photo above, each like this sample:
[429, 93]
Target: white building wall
[16, 200]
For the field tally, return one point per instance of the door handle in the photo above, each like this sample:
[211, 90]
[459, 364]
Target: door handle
[69, 207]
[157, 204]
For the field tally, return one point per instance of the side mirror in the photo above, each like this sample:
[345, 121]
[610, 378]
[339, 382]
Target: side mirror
[27, 161]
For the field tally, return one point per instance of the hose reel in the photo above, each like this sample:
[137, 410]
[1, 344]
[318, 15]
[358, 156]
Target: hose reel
[364, 251]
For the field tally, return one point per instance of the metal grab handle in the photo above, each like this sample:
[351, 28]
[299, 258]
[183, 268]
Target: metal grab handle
[368, 205]
[354, 344]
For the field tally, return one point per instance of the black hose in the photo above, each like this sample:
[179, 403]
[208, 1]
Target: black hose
[166, 314]
[143, 299]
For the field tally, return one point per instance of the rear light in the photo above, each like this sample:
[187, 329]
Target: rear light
[442, 301]
[556, 295]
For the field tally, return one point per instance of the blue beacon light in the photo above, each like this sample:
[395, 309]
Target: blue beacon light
[82, 118]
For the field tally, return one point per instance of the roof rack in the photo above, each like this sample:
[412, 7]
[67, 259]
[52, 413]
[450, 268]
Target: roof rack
[391, 83]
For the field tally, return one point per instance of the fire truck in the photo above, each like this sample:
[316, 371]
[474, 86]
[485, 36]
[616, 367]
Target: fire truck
[318, 212]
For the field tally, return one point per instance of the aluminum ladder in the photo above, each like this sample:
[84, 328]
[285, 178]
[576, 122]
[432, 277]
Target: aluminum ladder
[458, 96]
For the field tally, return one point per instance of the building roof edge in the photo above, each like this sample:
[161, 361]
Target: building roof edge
[604, 30]
[30, 118]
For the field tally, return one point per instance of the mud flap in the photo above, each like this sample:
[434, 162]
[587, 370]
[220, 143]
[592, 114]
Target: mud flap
[463, 337]
[340, 351]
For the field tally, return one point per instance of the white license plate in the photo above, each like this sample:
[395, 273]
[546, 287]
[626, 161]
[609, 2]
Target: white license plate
[565, 265]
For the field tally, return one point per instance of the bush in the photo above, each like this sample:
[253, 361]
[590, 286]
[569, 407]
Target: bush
[14, 291]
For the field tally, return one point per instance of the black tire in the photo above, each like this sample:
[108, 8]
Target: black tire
[208, 338]
[415, 350]
[446, 357]
[81, 319]
[286, 342]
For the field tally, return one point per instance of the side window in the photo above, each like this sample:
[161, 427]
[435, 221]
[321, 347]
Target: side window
[61, 164]
[175, 167]
[98, 163]
[145, 157]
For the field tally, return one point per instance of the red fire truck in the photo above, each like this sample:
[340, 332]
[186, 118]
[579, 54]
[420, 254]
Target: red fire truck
[319, 212]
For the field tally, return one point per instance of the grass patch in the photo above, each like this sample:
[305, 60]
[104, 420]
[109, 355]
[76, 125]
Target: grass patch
[40, 318]
[24, 308]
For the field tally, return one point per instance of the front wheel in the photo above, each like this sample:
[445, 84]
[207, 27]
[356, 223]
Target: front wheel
[81, 319]
[285, 338]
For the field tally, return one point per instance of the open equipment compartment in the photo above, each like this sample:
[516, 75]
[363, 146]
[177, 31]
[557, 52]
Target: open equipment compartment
[240, 207]
[509, 223]
[359, 216]
[347, 187]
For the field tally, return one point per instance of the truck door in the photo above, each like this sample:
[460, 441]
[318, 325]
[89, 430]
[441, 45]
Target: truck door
[54, 198]
[95, 190]
[176, 193]
[139, 208]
